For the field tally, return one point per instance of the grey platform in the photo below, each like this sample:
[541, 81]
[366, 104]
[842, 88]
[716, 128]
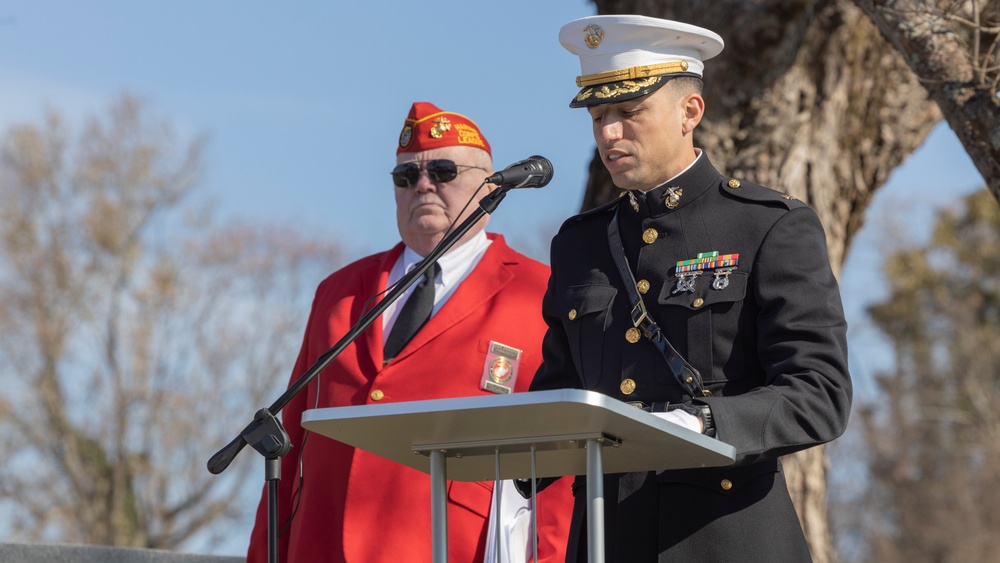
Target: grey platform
[66, 553]
[541, 434]
[556, 423]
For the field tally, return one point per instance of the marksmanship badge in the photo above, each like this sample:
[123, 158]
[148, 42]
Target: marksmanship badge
[687, 270]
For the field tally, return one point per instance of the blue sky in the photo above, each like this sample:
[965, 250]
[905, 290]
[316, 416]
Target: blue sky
[302, 104]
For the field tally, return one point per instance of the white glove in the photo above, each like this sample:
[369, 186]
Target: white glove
[681, 418]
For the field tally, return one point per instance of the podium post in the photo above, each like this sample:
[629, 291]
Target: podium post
[595, 502]
[439, 506]
[545, 434]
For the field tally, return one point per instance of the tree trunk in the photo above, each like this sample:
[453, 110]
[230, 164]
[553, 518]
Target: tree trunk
[808, 99]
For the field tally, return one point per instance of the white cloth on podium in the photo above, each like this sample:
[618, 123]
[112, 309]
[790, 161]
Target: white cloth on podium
[515, 526]
[681, 418]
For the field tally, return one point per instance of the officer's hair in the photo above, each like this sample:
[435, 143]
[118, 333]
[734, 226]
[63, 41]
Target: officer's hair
[684, 85]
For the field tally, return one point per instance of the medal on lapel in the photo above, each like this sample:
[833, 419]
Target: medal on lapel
[500, 368]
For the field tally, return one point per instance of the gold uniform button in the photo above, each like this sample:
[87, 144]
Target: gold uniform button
[377, 395]
[627, 386]
[632, 335]
[650, 235]
[734, 183]
[726, 484]
[572, 314]
[642, 286]
[698, 302]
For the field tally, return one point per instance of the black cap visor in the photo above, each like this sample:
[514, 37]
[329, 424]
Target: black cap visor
[622, 90]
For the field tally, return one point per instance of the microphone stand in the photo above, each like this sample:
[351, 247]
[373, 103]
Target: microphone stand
[266, 435]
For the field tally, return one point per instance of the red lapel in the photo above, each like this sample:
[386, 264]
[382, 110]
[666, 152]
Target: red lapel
[373, 281]
[489, 276]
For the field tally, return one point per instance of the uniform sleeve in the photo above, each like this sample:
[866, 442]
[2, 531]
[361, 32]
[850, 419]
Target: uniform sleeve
[557, 370]
[802, 345]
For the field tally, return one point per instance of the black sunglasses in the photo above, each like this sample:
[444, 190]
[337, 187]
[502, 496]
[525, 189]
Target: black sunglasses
[407, 175]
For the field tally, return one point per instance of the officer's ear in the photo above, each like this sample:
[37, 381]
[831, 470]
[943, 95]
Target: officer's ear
[693, 108]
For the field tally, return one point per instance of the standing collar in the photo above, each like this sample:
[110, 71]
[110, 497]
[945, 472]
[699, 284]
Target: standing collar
[683, 188]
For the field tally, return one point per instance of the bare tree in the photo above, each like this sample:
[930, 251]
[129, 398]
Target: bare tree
[933, 438]
[954, 48]
[806, 98]
[132, 335]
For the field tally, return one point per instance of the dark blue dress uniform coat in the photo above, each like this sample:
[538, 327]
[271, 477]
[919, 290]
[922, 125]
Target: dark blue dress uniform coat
[770, 345]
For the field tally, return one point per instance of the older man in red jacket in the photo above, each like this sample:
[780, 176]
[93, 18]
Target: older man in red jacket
[340, 504]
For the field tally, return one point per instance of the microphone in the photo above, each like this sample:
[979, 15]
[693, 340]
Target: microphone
[532, 172]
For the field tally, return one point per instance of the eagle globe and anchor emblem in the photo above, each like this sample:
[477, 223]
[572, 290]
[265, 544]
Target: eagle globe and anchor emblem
[593, 35]
[500, 369]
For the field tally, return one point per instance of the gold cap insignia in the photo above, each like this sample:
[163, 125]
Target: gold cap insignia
[593, 34]
[441, 126]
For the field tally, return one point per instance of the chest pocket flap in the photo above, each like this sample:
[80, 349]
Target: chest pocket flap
[584, 313]
[581, 300]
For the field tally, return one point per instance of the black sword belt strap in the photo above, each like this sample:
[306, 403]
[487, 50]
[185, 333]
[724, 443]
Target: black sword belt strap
[685, 374]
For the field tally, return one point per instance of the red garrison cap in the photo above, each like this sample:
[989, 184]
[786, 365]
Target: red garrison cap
[427, 127]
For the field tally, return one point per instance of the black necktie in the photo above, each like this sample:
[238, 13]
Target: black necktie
[415, 313]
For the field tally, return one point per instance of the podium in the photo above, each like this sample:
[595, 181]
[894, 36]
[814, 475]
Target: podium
[520, 435]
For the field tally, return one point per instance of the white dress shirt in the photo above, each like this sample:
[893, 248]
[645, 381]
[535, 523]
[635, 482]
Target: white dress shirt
[455, 266]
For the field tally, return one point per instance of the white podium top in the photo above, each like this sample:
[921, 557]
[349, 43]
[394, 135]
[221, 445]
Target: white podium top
[556, 423]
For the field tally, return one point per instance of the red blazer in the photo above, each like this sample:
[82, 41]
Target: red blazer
[358, 507]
